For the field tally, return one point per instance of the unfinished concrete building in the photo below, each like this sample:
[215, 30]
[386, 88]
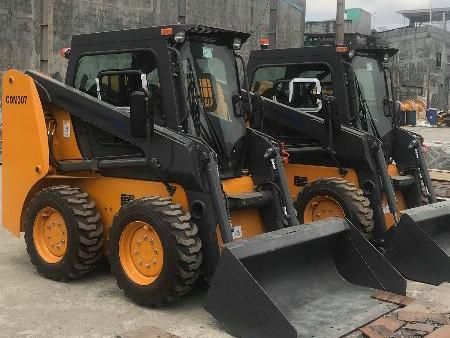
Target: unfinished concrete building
[32, 32]
[422, 65]
[357, 29]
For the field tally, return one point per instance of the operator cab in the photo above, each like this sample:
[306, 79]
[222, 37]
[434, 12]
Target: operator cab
[200, 82]
[358, 79]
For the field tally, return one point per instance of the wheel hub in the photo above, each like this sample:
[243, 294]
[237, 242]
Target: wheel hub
[322, 207]
[50, 235]
[141, 252]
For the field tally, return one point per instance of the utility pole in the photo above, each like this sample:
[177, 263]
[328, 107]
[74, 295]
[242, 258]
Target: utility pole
[181, 12]
[340, 10]
[430, 30]
[273, 23]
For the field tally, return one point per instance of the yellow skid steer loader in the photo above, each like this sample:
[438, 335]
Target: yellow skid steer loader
[348, 155]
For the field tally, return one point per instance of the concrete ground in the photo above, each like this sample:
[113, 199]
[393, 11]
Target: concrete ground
[432, 134]
[32, 306]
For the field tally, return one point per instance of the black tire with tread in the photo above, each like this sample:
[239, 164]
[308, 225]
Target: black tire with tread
[84, 231]
[181, 247]
[352, 200]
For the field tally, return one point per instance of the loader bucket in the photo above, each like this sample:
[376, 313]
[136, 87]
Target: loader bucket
[419, 247]
[312, 280]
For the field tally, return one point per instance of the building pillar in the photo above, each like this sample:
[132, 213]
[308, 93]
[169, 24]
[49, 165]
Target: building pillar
[444, 21]
[44, 42]
[340, 18]
[181, 12]
[273, 23]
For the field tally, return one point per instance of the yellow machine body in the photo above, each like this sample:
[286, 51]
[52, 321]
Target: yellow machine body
[25, 146]
[313, 173]
[23, 175]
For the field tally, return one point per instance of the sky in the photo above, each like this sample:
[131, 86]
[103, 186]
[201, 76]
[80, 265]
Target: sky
[384, 12]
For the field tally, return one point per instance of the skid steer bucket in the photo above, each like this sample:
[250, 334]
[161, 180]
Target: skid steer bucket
[312, 280]
[419, 247]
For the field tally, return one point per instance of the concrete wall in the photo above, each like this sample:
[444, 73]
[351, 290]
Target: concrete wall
[69, 17]
[32, 32]
[240, 15]
[417, 54]
[19, 34]
[290, 24]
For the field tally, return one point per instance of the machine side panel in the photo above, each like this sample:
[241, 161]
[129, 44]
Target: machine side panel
[299, 175]
[25, 145]
[65, 144]
[110, 193]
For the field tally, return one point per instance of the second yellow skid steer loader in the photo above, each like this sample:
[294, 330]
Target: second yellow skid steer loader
[143, 155]
[348, 156]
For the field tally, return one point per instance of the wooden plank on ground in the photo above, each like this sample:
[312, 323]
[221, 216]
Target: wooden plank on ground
[147, 332]
[432, 306]
[419, 327]
[390, 297]
[383, 327]
[427, 316]
[440, 175]
[442, 332]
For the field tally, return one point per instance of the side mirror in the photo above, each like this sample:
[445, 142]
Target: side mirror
[142, 118]
[388, 107]
[331, 117]
[397, 116]
[257, 116]
[308, 92]
[397, 106]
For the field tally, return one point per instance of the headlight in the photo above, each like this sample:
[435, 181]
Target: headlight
[180, 37]
[237, 44]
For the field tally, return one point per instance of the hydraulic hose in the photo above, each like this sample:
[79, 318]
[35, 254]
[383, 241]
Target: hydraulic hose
[423, 168]
[213, 176]
[387, 184]
[276, 161]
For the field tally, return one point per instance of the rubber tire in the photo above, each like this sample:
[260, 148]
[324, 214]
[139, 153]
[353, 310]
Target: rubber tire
[351, 199]
[84, 231]
[181, 247]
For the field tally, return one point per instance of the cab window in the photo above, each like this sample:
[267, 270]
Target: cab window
[272, 82]
[113, 77]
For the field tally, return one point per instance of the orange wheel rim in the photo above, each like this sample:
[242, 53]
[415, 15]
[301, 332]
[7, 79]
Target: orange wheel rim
[322, 207]
[141, 252]
[50, 235]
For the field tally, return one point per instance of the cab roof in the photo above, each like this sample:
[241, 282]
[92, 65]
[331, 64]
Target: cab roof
[154, 32]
